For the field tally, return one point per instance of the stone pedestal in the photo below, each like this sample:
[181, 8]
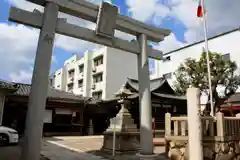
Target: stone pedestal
[90, 128]
[126, 132]
[148, 157]
[126, 142]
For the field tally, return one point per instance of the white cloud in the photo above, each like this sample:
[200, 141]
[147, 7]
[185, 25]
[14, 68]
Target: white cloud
[18, 45]
[21, 76]
[18, 49]
[219, 18]
[160, 11]
[144, 11]
[169, 43]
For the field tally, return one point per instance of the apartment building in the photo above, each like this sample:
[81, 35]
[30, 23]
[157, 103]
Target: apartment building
[98, 74]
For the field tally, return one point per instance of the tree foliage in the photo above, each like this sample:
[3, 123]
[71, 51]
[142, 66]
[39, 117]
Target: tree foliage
[194, 73]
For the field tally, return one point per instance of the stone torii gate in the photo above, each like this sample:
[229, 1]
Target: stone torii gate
[108, 20]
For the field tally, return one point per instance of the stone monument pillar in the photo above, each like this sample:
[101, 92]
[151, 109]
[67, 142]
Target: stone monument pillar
[90, 129]
[126, 132]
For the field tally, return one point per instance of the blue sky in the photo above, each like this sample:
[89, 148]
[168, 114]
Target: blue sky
[18, 43]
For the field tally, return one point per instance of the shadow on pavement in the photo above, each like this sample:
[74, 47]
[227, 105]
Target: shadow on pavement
[129, 156]
[12, 152]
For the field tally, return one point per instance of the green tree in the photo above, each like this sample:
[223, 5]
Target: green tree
[194, 73]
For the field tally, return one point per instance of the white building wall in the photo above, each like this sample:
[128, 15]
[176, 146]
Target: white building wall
[78, 76]
[225, 44]
[99, 86]
[117, 66]
[59, 79]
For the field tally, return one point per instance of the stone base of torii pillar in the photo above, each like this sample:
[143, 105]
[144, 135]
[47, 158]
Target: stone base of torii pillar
[127, 136]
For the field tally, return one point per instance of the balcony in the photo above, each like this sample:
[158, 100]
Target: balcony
[81, 89]
[80, 75]
[97, 69]
[97, 86]
[70, 80]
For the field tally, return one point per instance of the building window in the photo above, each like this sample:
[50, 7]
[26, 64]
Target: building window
[226, 57]
[51, 81]
[81, 68]
[166, 59]
[98, 61]
[71, 73]
[58, 86]
[97, 95]
[167, 75]
[80, 83]
[98, 78]
[58, 73]
[70, 87]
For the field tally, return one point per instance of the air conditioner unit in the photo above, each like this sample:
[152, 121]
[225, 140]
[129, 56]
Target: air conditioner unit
[80, 75]
[93, 86]
[81, 88]
[71, 79]
[94, 69]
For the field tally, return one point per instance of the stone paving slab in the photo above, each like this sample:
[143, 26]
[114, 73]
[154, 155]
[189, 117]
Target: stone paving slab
[86, 148]
[70, 148]
[54, 151]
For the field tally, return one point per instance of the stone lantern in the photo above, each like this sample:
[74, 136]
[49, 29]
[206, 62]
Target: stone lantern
[127, 134]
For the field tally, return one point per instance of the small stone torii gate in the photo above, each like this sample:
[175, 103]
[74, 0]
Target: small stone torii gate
[107, 19]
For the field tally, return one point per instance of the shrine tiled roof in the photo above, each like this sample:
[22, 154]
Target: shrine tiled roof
[155, 84]
[159, 87]
[24, 90]
[8, 85]
[169, 96]
[234, 98]
[20, 89]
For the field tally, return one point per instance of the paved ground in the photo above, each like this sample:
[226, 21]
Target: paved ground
[70, 148]
[12, 153]
[84, 145]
